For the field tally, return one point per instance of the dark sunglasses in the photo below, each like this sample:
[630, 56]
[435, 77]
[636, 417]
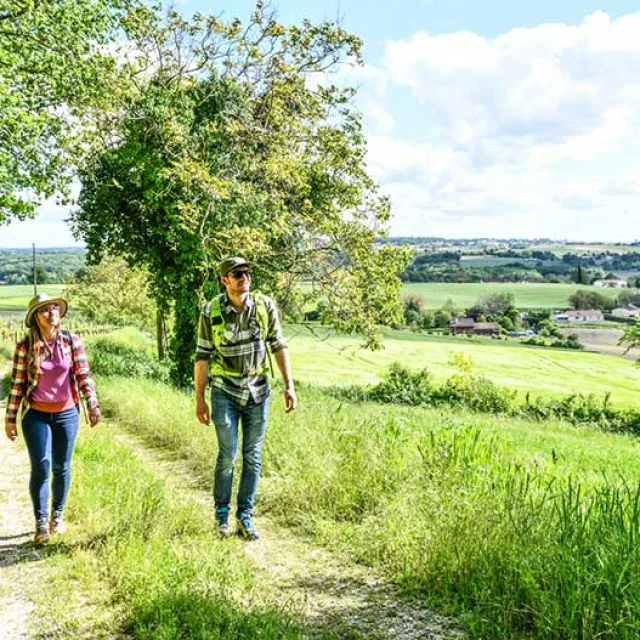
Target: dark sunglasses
[239, 273]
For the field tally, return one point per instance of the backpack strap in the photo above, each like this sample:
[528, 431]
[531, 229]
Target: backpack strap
[69, 338]
[262, 318]
[216, 320]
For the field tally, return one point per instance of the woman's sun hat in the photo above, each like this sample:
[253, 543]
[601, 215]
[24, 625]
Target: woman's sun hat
[44, 300]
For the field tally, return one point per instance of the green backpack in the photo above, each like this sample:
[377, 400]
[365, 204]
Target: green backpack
[218, 325]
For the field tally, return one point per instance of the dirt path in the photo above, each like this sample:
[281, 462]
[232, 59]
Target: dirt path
[19, 560]
[345, 600]
[603, 341]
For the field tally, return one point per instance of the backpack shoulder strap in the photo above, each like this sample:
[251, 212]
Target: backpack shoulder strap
[262, 314]
[216, 320]
[262, 318]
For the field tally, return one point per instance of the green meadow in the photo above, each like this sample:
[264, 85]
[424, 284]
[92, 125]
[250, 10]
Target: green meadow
[526, 295]
[324, 358]
[15, 298]
[517, 528]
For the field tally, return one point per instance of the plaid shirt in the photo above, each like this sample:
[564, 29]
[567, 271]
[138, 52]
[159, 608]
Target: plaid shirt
[23, 383]
[242, 348]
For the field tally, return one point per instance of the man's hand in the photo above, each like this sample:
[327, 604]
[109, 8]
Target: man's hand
[95, 415]
[202, 411]
[12, 431]
[290, 399]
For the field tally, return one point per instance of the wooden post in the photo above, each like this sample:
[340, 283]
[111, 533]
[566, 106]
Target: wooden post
[35, 277]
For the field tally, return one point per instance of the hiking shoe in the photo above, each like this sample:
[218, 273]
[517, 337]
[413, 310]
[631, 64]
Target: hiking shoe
[57, 524]
[223, 530]
[42, 533]
[246, 530]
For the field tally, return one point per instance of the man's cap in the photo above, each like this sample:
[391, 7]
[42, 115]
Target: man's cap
[229, 264]
[44, 300]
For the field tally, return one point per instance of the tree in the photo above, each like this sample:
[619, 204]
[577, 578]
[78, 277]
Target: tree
[494, 305]
[581, 276]
[54, 67]
[583, 299]
[413, 309]
[631, 338]
[237, 152]
[111, 292]
[42, 277]
[442, 318]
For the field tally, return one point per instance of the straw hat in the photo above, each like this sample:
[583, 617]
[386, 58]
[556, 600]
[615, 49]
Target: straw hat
[44, 300]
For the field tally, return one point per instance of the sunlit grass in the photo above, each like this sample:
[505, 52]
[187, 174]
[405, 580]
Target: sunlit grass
[15, 297]
[482, 515]
[327, 358]
[146, 562]
[526, 296]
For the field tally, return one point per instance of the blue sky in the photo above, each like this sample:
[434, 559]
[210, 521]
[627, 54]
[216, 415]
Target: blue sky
[484, 118]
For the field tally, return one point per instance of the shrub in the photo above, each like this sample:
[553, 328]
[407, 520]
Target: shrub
[476, 393]
[403, 386]
[108, 357]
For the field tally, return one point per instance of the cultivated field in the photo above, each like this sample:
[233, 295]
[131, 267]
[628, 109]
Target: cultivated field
[560, 249]
[527, 296]
[15, 298]
[541, 371]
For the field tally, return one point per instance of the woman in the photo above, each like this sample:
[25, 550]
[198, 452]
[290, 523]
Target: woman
[49, 366]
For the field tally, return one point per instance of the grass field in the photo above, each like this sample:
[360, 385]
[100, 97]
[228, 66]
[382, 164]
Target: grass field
[14, 298]
[522, 529]
[560, 249]
[326, 358]
[493, 261]
[527, 296]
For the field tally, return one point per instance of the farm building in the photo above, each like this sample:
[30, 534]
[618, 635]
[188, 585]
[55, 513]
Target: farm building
[579, 315]
[462, 326]
[616, 283]
[628, 311]
[468, 326]
[486, 329]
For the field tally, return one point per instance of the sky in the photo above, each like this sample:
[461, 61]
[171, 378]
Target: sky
[484, 118]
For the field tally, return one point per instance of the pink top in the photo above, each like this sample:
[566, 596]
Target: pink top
[54, 384]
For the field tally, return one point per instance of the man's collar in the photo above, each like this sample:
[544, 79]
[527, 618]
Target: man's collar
[248, 303]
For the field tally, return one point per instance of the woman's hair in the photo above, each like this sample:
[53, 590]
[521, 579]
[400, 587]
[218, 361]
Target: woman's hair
[36, 350]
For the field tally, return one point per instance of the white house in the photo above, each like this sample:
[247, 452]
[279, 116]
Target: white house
[628, 311]
[579, 315]
[616, 283]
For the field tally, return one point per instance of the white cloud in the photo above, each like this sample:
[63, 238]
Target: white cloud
[538, 123]
[48, 229]
[379, 119]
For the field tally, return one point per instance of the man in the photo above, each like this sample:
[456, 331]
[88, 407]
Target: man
[235, 330]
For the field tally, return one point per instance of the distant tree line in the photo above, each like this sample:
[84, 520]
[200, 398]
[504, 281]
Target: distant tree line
[53, 266]
[521, 266]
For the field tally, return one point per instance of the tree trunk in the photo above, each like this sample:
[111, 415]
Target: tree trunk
[161, 335]
[185, 333]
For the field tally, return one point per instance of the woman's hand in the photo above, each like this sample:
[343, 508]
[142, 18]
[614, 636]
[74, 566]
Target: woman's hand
[94, 416]
[12, 431]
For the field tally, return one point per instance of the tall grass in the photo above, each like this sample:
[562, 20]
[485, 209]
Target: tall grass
[6, 351]
[154, 550]
[519, 546]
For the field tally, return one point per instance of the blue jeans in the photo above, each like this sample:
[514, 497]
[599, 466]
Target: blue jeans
[227, 414]
[50, 438]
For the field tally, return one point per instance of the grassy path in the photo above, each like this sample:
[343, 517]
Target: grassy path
[31, 604]
[20, 565]
[335, 599]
